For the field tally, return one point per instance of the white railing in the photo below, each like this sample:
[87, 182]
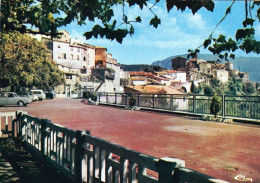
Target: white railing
[81, 157]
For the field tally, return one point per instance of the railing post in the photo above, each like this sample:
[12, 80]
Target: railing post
[126, 100]
[223, 105]
[194, 103]
[171, 103]
[166, 167]
[15, 123]
[78, 156]
[138, 95]
[115, 98]
[153, 101]
[106, 97]
[99, 97]
[43, 135]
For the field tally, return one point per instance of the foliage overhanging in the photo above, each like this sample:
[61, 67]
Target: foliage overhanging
[49, 15]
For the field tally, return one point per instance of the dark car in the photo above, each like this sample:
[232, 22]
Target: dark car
[50, 94]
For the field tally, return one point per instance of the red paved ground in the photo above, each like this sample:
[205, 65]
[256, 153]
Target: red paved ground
[217, 149]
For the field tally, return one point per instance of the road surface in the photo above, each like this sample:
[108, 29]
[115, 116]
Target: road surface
[218, 149]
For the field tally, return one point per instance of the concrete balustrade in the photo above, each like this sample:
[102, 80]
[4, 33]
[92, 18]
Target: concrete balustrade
[81, 157]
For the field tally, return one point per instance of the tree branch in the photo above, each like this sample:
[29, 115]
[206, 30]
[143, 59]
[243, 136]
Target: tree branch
[227, 12]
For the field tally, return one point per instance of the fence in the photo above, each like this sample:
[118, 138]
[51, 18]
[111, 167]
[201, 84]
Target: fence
[232, 106]
[81, 157]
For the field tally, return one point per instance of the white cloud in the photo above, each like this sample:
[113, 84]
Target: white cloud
[195, 22]
[177, 33]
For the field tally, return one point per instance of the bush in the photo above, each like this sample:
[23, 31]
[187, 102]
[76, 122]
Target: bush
[208, 90]
[193, 88]
[94, 97]
[132, 101]
[215, 105]
[86, 95]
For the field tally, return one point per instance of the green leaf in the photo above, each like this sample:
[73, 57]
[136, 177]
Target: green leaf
[138, 19]
[243, 33]
[258, 14]
[248, 21]
[132, 30]
[193, 5]
[221, 39]
[207, 43]
[228, 10]
[247, 46]
[155, 21]
[96, 30]
[232, 56]
[88, 35]
[125, 19]
[141, 3]
[208, 4]
[226, 56]
[120, 34]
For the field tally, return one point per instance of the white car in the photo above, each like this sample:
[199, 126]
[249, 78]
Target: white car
[39, 93]
[34, 97]
[11, 98]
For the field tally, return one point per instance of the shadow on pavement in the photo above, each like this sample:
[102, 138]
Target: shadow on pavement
[17, 165]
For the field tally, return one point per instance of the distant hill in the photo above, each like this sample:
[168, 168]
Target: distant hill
[244, 64]
[141, 67]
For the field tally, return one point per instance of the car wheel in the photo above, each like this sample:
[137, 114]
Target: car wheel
[20, 104]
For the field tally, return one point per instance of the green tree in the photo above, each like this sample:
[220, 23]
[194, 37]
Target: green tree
[208, 90]
[215, 105]
[50, 15]
[26, 62]
[257, 85]
[94, 97]
[132, 101]
[249, 88]
[234, 86]
[148, 69]
[193, 88]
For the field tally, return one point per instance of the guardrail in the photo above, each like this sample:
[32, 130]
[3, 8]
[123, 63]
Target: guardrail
[81, 157]
[247, 107]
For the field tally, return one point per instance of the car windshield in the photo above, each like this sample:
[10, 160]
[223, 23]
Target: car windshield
[15, 95]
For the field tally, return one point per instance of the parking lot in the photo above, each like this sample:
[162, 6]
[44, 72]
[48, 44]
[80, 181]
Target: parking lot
[217, 149]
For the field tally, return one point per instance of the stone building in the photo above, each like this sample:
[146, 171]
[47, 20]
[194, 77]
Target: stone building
[179, 64]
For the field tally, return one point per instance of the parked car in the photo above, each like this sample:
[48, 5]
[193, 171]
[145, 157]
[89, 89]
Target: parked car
[39, 93]
[35, 97]
[11, 98]
[26, 94]
[50, 94]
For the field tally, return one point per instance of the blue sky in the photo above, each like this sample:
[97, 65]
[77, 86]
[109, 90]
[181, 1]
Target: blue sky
[178, 32]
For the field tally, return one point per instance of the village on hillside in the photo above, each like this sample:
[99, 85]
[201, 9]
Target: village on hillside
[91, 68]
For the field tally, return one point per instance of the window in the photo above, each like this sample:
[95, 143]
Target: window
[71, 48]
[78, 49]
[59, 55]
[71, 56]
[10, 95]
[77, 57]
[64, 56]
[58, 46]
[84, 59]
[68, 76]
